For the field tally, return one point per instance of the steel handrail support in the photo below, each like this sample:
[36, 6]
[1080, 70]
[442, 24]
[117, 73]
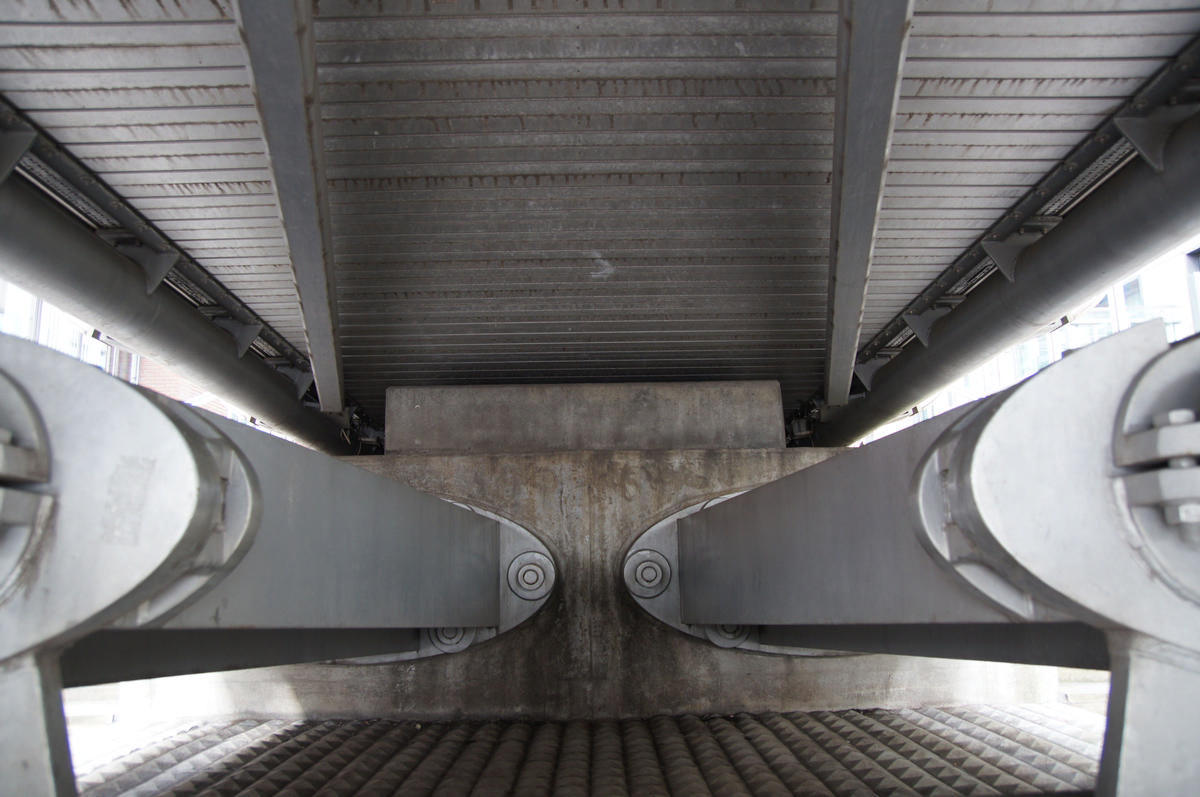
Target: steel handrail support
[126, 516]
[1071, 501]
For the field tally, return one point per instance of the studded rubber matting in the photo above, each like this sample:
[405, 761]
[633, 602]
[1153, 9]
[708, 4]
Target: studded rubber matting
[976, 750]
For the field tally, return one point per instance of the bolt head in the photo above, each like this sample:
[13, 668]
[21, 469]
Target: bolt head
[1176, 417]
[727, 636]
[647, 573]
[531, 576]
[1183, 514]
[452, 640]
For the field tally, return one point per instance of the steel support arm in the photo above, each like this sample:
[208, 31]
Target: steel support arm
[140, 537]
[1027, 527]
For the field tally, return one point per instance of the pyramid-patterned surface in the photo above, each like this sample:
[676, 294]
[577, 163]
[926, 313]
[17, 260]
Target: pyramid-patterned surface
[964, 751]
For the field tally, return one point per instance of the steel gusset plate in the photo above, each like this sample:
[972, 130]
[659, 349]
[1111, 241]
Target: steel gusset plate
[651, 576]
[529, 576]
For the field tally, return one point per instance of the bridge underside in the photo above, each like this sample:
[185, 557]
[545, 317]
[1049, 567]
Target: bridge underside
[583, 269]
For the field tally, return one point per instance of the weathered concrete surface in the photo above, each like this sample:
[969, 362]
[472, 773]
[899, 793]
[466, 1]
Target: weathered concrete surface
[535, 418]
[591, 652]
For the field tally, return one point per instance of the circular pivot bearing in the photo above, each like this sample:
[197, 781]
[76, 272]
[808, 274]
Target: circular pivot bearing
[647, 573]
[727, 636]
[531, 576]
[451, 640]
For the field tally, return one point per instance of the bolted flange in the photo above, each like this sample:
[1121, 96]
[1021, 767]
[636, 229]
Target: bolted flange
[647, 573]
[531, 576]
[727, 636]
[651, 574]
[451, 640]
[1158, 446]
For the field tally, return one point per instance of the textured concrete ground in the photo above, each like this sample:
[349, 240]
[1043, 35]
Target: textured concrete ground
[976, 750]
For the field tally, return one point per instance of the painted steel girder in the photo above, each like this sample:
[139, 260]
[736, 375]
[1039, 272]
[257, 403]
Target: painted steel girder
[1057, 522]
[141, 537]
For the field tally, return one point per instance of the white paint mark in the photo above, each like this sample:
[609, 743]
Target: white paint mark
[606, 269]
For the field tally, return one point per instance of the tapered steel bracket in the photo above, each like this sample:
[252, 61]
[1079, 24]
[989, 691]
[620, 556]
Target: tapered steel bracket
[13, 146]
[865, 371]
[1149, 133]
[141, 537]
[1052, 523]
[651, 576]
[921, 324]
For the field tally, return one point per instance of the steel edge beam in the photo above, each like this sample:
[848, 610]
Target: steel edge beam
[44, 250]
[1105, 142]
[278, 40]
[872, 39]
[1136, 216]
[193, 276]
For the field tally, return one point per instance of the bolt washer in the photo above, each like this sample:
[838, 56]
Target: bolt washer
[647, 573]
[451, 640]
[531, 576]
[727, 636]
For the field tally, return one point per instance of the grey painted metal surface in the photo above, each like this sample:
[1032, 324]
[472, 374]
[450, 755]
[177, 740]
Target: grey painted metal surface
[1137, 215]
[1149, 679]
[1047, 107]
[111, 656]
[49, 253]
[621, 192]
[279, 46]
[872, 39]
[823, 527]
[64, 175]
[146, 514]
[35, 751]
[1072, 644]
[408, 560]
[514, 121]
[132, 491]
[1030, 505]
[636, 194]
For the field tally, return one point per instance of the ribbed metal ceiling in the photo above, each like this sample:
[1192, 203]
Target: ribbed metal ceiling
[155, 98]
[578, 190]
[993, 96]
[633, 192]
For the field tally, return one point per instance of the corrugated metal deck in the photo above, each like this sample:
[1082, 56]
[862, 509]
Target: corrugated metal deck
[579, 190]
[525, 195]
[989, 104]
[976, 750]
[155, 98]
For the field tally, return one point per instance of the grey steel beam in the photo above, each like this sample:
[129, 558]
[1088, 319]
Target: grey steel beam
[872, 39]
[44, 250]
[135, 526]
[111, 656]
[1136, 216]
[402, 559]
[1059, 644]
[97, 201]
[1072, 498]
[809, 539]
[278, 38]
[35, 750]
